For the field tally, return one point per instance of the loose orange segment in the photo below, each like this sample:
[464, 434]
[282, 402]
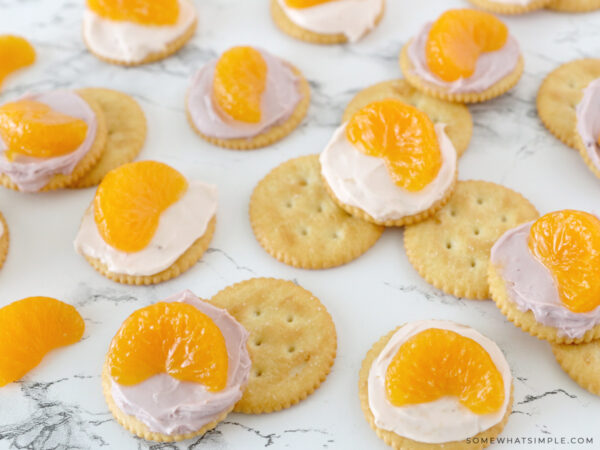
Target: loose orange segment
[130, 200]
[305, 3]
[174, 338]
[403, 136]
[568, 243]
[34, 129]
[32, 327]
[239, 81]
[15, 53]
[457, 39]
[144, 12]
[436, 363]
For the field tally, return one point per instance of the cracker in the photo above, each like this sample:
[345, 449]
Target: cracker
[574, 6]
[584, 154]
[86, 163]
[451, 250]
[458, 120]
[510, 8]
[296, 222]
[526, 320]
[559, 94]
[140, 429]
[4, 240]
[183, 263]
[285, 24]
[581, 362]
[406, 220]
[171, 48]
[292, 341]
[126, 125]
[402, 443]
[497, 89]
[272, 134]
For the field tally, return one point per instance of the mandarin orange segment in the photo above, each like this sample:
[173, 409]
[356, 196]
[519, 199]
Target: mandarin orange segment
[457, 39]
[144, 12]
[436, 363]
[240, 79]
[32, 128]
[130, 200]
[32, 327]
[403, 136]
[15, 53]
[305, 3]
[567, 243]
[173, 338]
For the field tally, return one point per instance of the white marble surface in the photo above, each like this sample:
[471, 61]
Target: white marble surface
[59, 405]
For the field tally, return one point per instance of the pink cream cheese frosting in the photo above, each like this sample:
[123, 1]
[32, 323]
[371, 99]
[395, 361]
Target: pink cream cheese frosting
[32, 174]
[279, 100]
[491, 67]
[169, 406]
[588, 120]
[531, 286]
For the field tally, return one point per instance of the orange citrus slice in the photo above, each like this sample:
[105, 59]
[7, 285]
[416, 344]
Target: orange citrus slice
[32, 128]
[403, 136]
[567, 243]
[32, 327]
[240, 79]
[130, 200]
[15, 53]
[144, 12]
[457, 39]
[436, 363]
[173, 338]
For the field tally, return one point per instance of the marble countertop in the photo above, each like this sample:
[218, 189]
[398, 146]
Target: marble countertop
[59, 405]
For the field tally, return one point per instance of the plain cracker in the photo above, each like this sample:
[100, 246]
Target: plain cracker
[451, 249]
[126, 125]
[458, 120]
[574, 6]
[581, 362]
[481, 440]
[4, 241]
[292, 341]
[296, 222]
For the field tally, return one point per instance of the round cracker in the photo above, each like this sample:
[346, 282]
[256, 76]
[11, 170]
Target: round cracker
[285, 24]
[171, 48]
[526, 320]
[581, 362]
[497, 89]
[481, 440]
[451, 249]
[458, 120]
[292, 341]
[559, 94]
[86, 163]
[190, 257]
[583, 151]
[406, 220]
[126, 126]
[4, 240]
[272, 134]
[296, 222]
[140, 429]
[510, 8]
[574, 6]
